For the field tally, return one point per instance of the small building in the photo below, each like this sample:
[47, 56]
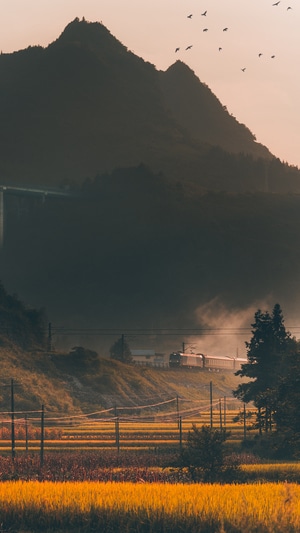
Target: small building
[148, 358]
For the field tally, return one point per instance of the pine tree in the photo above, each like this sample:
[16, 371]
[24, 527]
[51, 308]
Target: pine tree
[287, 415]
[267, 353]
[120, 350]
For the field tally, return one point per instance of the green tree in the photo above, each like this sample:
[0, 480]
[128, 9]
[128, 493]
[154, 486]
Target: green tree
[120, 351]
[268, 359]
[204, 456]
[287, 415]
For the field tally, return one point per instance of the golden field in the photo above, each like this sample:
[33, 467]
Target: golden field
[149, 507]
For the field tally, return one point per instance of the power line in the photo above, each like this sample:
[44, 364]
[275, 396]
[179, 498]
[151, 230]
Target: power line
[63, 331]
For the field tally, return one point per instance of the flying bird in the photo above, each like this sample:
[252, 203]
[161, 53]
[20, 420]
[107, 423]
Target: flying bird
[272, 57]
[177, 49]
[225, 29]
[204, 13]
[260, 54]
[276, 3]
[288, 8]
[220, 48]
[190, 16]
[205, 29]
[189, 47]
[243, 69]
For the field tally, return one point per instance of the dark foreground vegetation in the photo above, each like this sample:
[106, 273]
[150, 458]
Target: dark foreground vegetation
[136, 467]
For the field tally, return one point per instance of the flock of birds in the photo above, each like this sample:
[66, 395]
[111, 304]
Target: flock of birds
[204, 14]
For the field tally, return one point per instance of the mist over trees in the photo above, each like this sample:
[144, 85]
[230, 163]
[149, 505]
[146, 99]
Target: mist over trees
[136, 247]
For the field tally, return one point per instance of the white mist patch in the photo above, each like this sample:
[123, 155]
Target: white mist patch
[224, 330]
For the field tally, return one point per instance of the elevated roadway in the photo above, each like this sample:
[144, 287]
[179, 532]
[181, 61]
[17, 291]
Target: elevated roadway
[42, 192]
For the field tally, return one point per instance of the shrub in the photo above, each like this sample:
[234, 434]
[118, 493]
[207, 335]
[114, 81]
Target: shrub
[204, 456]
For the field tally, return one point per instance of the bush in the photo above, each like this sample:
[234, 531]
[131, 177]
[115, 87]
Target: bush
[204, 457]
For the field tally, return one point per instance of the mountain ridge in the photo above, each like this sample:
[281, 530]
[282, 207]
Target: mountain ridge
[86, 105]
[193, 103]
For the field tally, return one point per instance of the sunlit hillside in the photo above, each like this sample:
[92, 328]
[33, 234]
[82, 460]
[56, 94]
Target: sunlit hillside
[66, 386]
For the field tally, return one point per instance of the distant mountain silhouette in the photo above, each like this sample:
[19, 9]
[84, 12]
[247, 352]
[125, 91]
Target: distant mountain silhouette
[86, 105]
[198, 110]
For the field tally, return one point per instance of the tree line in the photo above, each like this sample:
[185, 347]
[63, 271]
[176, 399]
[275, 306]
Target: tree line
[20, 324]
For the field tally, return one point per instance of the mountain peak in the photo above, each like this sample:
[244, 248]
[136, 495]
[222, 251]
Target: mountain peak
[200, 112]
[93, 36]
[180, 67]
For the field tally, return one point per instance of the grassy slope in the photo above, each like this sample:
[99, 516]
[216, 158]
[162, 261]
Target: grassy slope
[49, 380]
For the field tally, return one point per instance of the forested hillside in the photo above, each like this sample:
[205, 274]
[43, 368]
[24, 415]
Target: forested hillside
[136, 250]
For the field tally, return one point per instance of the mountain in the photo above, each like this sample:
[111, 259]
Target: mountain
[201, 114]
[86, 105]
[180, 219]
[81, 106]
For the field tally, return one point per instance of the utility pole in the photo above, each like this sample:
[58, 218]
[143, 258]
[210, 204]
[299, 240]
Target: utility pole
[122, 345]
[26, 433]
[211, 406]
[220, 412]
[49, 344]
[180, 433]
[13, 448]
[245, 426]
[42, 436]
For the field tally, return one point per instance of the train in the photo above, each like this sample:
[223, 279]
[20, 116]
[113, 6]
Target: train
[212, 363]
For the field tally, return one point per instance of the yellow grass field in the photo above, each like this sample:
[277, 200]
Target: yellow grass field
[149, 507]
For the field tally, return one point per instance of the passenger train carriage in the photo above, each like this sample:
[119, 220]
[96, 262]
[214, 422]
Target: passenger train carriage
[205, 362]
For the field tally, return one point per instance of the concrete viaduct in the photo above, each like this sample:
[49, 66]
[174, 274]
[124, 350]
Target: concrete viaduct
[25, 191]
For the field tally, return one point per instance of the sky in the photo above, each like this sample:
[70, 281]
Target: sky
[264, 96]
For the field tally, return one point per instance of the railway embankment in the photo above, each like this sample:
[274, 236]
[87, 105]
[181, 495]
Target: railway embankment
[54, 380]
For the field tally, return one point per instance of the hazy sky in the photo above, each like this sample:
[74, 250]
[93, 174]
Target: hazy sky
[265, 97]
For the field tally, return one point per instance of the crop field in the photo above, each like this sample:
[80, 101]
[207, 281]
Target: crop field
[128, 465]
[153, 433]
[149, 507]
